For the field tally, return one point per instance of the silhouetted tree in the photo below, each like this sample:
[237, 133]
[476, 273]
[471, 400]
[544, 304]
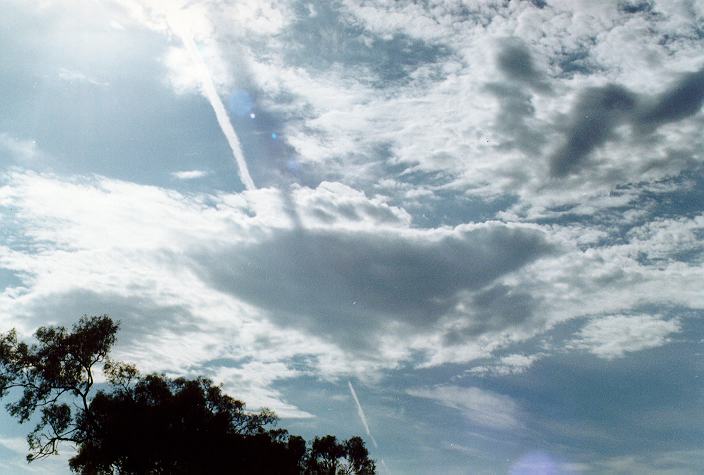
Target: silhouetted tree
[153, 424]
[60, 364]
[330, 457]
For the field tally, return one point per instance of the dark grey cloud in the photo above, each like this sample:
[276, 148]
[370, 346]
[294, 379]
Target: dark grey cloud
[599, 110]
[330, 212]
[496, 308]
[516, 63]
[515, 96]
[683, 99]
[516, 107]
[592, 120]
[635, 6]
[347, 285]
[140, 317]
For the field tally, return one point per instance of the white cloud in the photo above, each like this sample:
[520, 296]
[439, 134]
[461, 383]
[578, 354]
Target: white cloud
[614, 336]
[252, 382]
[442, 120]
[482, 407]
[507, 365]
[189, 174]
[15, 444]
[152, 257]
[22, 150]
[73, 76]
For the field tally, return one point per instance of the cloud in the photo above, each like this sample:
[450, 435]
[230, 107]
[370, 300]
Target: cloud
[479, 406]
[507, 365]
[189, 174]
[351, 286]
[454, 98]
[73, 76]
[682, 99]
[493, 309]
[14, 444]
[597, 112]
[515, 62]
[253, 381]
[513, 118]
[614, 336]
[21, 150]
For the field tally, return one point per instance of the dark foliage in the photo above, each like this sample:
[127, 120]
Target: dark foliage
[153, 424]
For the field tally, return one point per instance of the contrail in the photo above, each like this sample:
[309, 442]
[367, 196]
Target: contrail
[363, 418]
[360, 413]
[220, 113]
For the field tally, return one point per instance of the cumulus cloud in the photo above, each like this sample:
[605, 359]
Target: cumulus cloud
[479, 406]
[614, 336]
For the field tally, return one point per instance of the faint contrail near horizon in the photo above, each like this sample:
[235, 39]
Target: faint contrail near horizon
[223, 119]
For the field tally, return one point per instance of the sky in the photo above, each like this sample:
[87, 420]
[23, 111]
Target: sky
[469, 231]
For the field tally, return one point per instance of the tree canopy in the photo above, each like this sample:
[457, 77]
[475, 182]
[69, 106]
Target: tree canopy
[150, 423]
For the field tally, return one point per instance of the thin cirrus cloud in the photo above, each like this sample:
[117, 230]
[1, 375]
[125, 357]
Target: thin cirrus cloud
[73, 76]
[479, 406]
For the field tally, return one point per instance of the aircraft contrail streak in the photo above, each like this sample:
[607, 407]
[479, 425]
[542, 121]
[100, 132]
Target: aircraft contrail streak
[361, 414]
[363, 418]
[223, 119]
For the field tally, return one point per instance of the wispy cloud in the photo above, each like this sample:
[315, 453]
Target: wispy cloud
[22, 150]
[506, 365]
[614, 336]
[71, 75]
[480, 406]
